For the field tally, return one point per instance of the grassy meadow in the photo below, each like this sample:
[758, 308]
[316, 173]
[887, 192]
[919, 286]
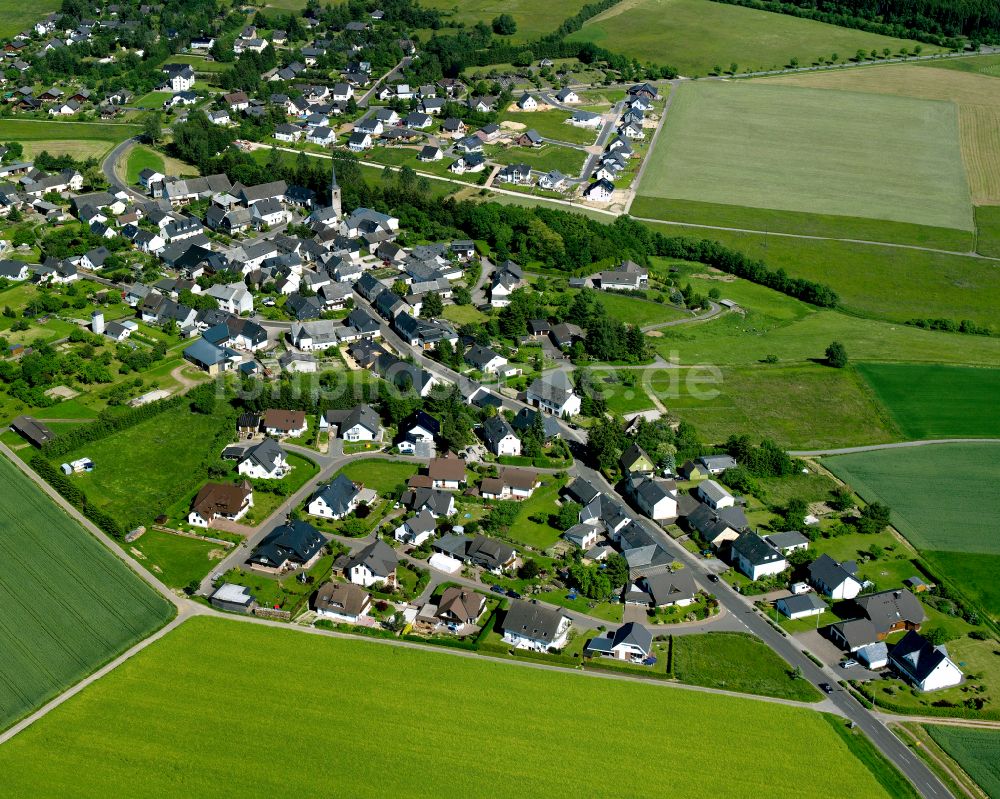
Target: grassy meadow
[141, 158]
[974, 95]
[17, 16]
[976, 751]
[938, 401]
[69, 605]
[533, 21]
[763, 145]
[174, 559]
[49, 130]
[154, 705]
[552, 125]
[380, 475]
[696, 36]
[140, 472]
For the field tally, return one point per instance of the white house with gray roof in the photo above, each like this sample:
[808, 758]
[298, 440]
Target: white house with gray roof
[529, 625]
[714, 495]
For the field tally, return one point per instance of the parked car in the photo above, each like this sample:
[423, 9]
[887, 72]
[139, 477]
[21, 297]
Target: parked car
[826, 687]
[850, 663]
[713, 578]
[513, 595]
[498, 589]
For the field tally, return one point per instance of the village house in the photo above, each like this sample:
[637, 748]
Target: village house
[755, 557]
[631, 642]
[336, 499]
[500, 438]
[416, 529]
[342, 602]
[925, 666]
[296, 544]
[529, 625]
[374, 564]
[263, 461]
[285, 423]
[220, 500]
[446, 473]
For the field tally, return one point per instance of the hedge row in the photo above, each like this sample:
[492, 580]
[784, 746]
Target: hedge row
[108, 424]
[75, 496]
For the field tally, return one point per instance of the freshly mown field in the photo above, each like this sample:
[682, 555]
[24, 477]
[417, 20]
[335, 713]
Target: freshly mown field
[981, 65]
[141, 158]
[737, 662]
[536, 731]
[17, 16]
[698, 36]
[69, 605]
[944, 501]
[976, 751]
[763, 145]
[80, 149]
[140, 472]
[876, 281]
[938, 401]
[975, 95]
[799, 406]
[533, 20]
[802, 224]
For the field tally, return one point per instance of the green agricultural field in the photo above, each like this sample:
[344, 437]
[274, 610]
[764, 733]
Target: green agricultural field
[380, 475]
[154, 705]
[800, 406]
[875, 281]
[737, 662]
[533, 21]
[33, 129]
[806, 138]
[69, 605]
[696, 36]
[140, 472]
[175, 559]
[976, 751]
[141, 158]
[983, 65]
[552, 125]
[988, 230]
[943, 501]
[18, 16]
[938, 401]
[80, 149]
[803, 224]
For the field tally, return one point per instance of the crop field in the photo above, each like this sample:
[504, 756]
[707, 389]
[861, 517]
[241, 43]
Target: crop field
[81, 149]
[800, 406]
[938, 401]
[764, 145]
[873, 280]
[141, 158]
[943, 500]
[975, 96]
[981, 65]
[696, 36]
[976, 751]
[737, 662]
[140, 472]
[533, 20]
[988, 230]
[153, 706]
[18, 16]
[69, 605]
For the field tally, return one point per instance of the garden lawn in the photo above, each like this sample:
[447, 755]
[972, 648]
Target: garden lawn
[284, 593]
[952, 401]
[176, 559]
[141, 158]
[540, 505]
[69, 605]
[143, 470]
[157, 703]
[695, 36]
[976, 751]
[737, 662]
[804, 138]
[380, 475]
[943, 500]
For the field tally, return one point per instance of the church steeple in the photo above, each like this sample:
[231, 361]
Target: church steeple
[334, 190]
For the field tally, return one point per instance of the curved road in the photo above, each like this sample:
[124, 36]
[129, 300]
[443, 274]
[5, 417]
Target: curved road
[109, 167]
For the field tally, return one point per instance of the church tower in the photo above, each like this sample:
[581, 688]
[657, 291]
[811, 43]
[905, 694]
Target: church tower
[334, 190]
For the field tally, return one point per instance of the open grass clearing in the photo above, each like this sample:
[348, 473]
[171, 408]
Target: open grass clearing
[876, 281]
[381, 476]
[975, 95]
[567, 160]
[737, 662]
[140, 158]
[18, 16]
[552, 125]
[696, 36]
[154, 704]
[804, 224]
[799, 406]
[638, 311]
[153, 100]
[69, 604]
[806, 138]
[175, 559]
[199, 63]
[976, 751]
[952, 401]
[532, 526]
[143, 470]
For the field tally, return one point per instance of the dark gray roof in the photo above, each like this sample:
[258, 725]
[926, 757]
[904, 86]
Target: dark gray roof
[665, 587]
[798, 603]
[264, 454]
[338, 494]
[633, 633]
[783, 541]
[887, 608]
[532, 620]
[297, 541]
[378, 556]
[916, 657]
[755, 550]
[495, 429]
[827, 574]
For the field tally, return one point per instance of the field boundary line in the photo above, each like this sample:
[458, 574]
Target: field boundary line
[818, 453]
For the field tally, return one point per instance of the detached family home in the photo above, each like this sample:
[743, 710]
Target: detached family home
[376, 563]
[220, 500]
[500, 438]
[446, 473]
[296, 544]
[335, 500]
[834, 580]
[529, 625]
[263, 461]
[923, 665]
[553, 393]
[631, 642]
[714, 495]
[283, 423]
[417, 529]
[343, 602]
[755, 557]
